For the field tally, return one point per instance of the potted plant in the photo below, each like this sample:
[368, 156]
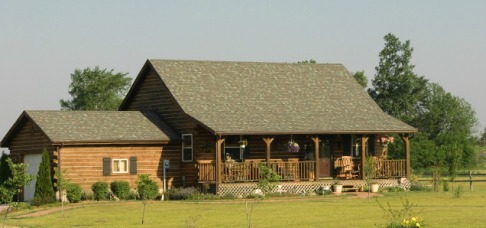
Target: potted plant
[374, 187]
[337, 187]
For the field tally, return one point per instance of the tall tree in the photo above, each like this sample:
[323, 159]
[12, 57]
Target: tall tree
[5, 171]
[95, 89]
[361, 78]
[396, 88]
[44, 189]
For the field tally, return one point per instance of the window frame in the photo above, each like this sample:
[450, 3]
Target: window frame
[184, 147]
[127, 162]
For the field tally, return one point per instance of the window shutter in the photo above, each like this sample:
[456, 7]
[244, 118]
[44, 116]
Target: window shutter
[106, 166]
[133, 165]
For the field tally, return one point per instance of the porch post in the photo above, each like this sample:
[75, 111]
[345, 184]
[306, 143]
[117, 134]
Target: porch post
[268, 141]
[406, 143]
[364, 140]
[316, 156]
[219, 142]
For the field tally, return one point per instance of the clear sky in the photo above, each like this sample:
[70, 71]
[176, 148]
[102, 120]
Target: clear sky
[42, 42]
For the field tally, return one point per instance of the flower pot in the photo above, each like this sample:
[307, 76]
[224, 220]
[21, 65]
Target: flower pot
[337, 188]
[374, 187]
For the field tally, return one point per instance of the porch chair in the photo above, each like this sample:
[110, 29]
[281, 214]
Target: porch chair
[345, 167]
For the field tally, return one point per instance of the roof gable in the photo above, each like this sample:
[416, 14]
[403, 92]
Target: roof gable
[263, 98]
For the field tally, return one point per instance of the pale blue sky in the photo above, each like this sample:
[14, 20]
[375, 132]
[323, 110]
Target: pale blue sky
[42, 42]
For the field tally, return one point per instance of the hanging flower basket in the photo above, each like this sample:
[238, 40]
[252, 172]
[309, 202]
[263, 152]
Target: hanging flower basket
[385, 140]
[292, 146]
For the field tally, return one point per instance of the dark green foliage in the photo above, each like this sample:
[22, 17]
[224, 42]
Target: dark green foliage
[87, 196]
[445, 122]
[44, 189]
[396, 88]
[182, 193]
[13, 185]
[96, 89]
[121, 189]
[5, 172]
[361, 78]
[311, 61]
[100, 190]
[146, 187]
[74, 192]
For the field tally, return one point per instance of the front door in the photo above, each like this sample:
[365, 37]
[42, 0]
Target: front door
[325, 159]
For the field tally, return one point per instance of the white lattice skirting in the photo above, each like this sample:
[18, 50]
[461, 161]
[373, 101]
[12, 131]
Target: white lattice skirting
[244, 189]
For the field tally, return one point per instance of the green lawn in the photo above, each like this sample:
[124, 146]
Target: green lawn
[438, 209]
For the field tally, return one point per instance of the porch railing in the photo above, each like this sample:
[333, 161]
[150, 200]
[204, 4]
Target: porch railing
[390, 168]
[287, 170]
[250, 171]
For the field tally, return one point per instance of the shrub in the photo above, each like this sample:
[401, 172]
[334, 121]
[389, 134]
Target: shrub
[146, 187]
[44, 189]
[182, 193]
[458, 191]
[121, 189]
[100, 190]
[87, 196]
[74, 192]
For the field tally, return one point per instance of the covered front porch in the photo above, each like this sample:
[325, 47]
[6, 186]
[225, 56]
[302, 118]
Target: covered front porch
[319, 158]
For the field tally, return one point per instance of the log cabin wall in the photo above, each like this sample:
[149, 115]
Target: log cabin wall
[151, 94]
[84, 164]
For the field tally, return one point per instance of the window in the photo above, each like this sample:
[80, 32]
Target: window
[356, 147]
[187, 147]
[232, 149]
[119, 165]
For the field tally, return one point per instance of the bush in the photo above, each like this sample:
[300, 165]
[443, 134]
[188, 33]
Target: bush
[417, 186]
[146, 187]
[37, 201]
[73, 192]
[100, 190]
[182, 193]
[87, 196]
[121, 189]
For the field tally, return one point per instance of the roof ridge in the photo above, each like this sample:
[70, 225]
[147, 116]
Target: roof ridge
[235, 61]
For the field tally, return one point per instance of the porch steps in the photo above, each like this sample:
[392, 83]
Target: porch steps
[350, 188]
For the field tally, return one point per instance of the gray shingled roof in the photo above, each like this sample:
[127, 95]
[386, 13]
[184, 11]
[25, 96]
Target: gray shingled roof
[278, 98]
[100, 126]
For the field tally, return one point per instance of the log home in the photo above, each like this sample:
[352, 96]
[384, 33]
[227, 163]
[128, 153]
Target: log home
[217, 121]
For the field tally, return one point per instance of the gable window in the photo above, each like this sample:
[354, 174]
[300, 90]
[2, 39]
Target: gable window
[187, 152]
[119, 165]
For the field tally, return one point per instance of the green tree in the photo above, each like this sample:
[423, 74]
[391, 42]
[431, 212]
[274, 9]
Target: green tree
[308, 61]
[44, 189]
[147, 190]
[95, 89]
[14, 184]
[5, 172]
[396, 88]
[62, 185]
[361, 78]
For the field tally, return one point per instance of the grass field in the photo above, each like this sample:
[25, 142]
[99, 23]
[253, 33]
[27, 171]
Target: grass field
[439, 209]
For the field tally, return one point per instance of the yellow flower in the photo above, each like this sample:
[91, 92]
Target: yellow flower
[417, 224]
[414, 219]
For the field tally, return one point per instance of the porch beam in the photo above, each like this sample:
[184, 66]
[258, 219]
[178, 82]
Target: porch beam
[316, 156]
[219, 142]
[406, 143]
[268, 142]
[364, 140]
